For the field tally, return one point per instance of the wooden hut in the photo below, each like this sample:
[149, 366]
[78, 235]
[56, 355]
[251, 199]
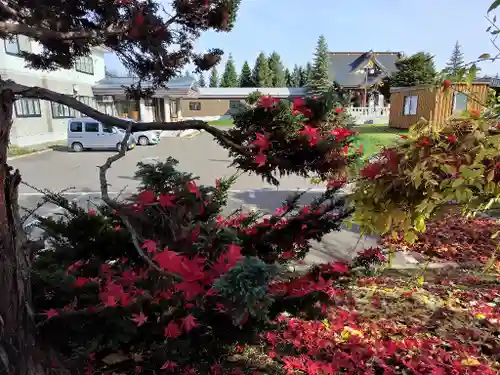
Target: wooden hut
[410, 104]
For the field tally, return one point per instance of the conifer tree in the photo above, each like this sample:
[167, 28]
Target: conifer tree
[201, 80]
[277, 70]
[296, 75]
[229, 77]
[214, 78]
[302, 77]
[246, 76]
[455, 63]
[261, 74]
[288, 78]
[319, 80]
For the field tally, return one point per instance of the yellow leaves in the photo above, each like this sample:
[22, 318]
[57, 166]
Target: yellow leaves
[348, 332]
[480, 316]
[470, 362]
[410, 237]
[420, 281]
[326, 323]
[419, 224]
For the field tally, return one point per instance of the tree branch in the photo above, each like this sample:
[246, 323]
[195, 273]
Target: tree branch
[45, 94]
[38, 33]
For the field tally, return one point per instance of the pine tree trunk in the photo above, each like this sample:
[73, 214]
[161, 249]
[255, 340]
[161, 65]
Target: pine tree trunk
[17, 328]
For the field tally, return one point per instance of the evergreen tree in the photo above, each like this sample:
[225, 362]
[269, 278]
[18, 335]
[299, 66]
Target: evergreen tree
[302, 77]
[201, 80]
[414, 70]
[214, 78]
[308, 72]
[261, 74]
[246, 76]
[229, 77]
[296, 75]
[288, 78]
[455, 63]
[277, 70]
[319, 80]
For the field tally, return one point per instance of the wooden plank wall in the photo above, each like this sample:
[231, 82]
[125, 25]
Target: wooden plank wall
[444, 100]
[425, 106]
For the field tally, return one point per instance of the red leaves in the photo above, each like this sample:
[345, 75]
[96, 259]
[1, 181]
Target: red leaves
[193, 188]
[260, 159]
[268, 102]
[299, 106]
[172, 331]
[341, 134]
[50, 313]
[475, 113]
[311, 134]
[91, 212]
[451, 138]
[146, 197]
[150, 246]
[140, 319]
[371, 171]
[261, 142]
[167, 200]
[81, 281]
[339, 110]
[189, 323]
[446, 84]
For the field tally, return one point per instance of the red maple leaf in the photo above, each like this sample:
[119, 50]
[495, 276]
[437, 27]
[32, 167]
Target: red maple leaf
[167, 200]
[91, 212]
[110, 301]
[339, 110]
[190, 289]
[168, 260]
[147, 197]
[149, 245]
[192, 188]
[261, 141]
[81, 281]
[341, 133]
[268, 102]
[260, 159]
[50, 313]
[172, 330]
[310, 133]
[340, 267]
[189, 322]
[139, 18]
[233, 254]
[139, 319]
[299, 103]
[168, 366]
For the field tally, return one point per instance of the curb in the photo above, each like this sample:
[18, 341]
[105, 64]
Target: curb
[30, 154]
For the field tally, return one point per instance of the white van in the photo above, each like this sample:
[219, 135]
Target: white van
[85, 133]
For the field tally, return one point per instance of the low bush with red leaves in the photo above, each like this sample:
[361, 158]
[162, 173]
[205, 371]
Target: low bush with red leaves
[452, 238]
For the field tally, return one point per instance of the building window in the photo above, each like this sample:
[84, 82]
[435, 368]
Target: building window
[25, 107]
[235, 105]
[17, 44]
[84, 64]
[194, 106]
[88, 100]
[460, 101]
[410, 105]
[62, 111]
[76, 127]
[91, 127]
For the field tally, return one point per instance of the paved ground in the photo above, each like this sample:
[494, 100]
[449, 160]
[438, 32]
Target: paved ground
[59, 169]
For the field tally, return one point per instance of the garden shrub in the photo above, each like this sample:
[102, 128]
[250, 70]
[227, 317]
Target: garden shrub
[428, 169]
[188, 281]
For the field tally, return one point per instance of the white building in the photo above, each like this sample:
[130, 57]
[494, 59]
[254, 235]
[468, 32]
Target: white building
[37, 121]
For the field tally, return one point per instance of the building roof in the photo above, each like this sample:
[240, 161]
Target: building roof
[492, 81]
[177, 87]
[243, 92]
[480, 81]
[344, 66]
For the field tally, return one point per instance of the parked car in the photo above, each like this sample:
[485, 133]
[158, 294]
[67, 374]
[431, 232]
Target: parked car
[147, 137]
[86, 133]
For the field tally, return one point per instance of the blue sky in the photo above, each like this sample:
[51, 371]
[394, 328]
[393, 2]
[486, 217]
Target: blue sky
[292, 27]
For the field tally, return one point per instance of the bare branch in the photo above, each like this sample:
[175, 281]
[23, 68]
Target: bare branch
[111, 203]
[11, 12]
[38, 33]
[45, 94]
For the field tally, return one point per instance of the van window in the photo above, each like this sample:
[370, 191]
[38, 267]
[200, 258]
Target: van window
[92, 127]
[107, 129]
[75, 127]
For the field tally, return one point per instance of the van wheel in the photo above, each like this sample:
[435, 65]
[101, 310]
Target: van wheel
[77, 147]
[143, 141]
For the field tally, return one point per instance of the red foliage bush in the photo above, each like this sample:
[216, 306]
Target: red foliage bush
[452, 238]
